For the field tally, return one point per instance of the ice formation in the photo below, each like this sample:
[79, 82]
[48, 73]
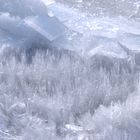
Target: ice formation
[69, 74]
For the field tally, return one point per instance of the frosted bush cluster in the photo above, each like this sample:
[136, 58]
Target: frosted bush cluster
[65, 98]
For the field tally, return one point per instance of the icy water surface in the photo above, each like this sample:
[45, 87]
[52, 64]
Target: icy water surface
[68, 73]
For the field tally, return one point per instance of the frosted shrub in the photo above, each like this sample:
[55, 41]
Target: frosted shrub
[38, 100]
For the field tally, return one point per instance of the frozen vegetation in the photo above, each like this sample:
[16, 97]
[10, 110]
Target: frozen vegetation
[69, 71]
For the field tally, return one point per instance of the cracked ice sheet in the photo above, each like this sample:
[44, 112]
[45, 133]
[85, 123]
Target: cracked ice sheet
[80, 22]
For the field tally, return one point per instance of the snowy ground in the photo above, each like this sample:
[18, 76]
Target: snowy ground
[85, 88]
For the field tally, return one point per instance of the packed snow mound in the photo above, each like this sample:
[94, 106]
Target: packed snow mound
[28, 22]
[23, 8]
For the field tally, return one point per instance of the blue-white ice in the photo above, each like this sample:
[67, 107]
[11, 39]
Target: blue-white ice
[86, 87]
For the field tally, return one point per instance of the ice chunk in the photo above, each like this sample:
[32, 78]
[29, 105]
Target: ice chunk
[49, 27]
